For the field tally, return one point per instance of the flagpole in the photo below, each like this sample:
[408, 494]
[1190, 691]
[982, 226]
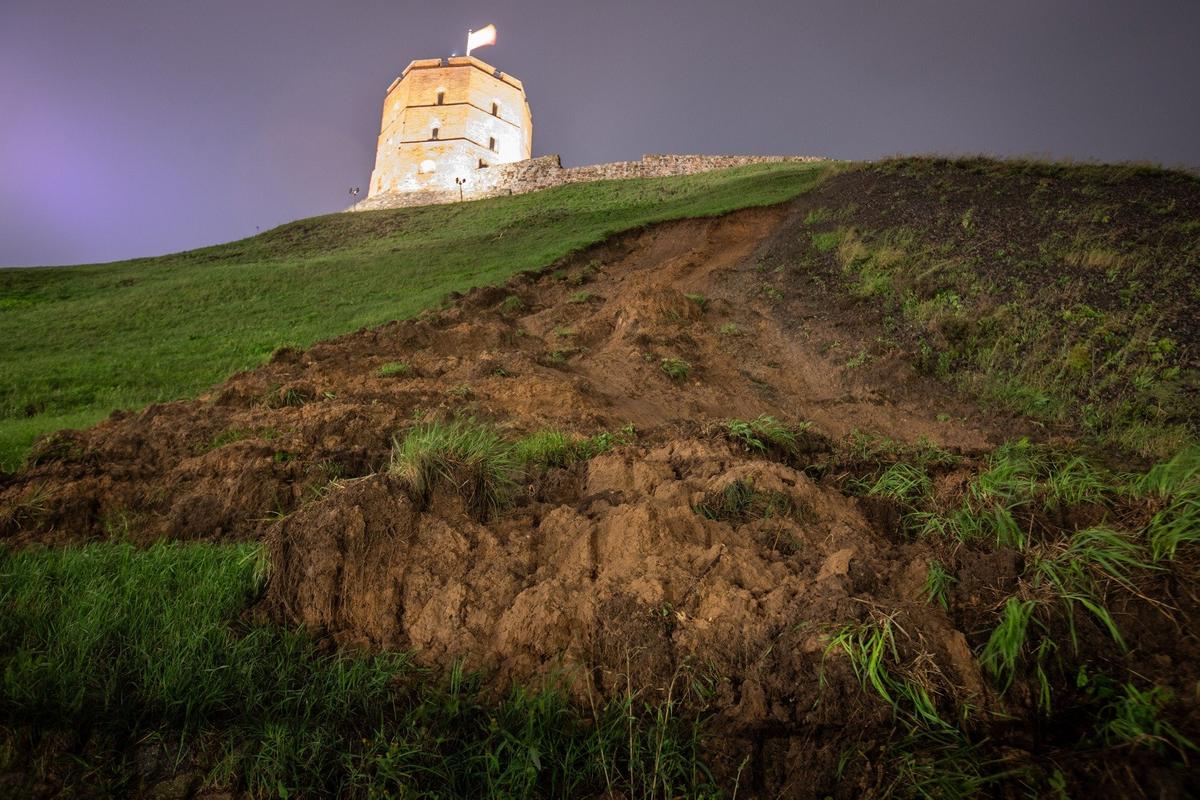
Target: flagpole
[469, 32]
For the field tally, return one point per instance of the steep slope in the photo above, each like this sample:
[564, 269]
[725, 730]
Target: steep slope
[580, 347]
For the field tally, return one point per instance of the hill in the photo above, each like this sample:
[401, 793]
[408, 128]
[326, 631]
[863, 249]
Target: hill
[83, 341]
[890, 489]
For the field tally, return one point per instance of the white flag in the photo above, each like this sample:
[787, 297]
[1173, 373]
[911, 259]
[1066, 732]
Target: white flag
[481, 37]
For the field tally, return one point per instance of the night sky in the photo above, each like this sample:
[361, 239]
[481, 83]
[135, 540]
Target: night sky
[139, 128]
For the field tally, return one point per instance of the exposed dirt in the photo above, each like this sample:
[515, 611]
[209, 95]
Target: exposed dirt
[584, 354]
[601, 573]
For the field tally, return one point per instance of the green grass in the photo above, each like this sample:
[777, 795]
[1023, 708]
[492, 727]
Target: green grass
[825, 242]
[1085, 534]
[1054, 290]
[675, 368]
[1019, 482]
[239, 435]
[1062, 579]
[1134, 718]
[1002, 653]
[941, 764]
[82, 341]
[1176, 485]
[866, 447]
[937, 584]
[147, 645]
[764, 433]
[739, 502]
[396, 368]
[903, 482]
[549, 448]
[877, 662]
[481, 465]
[470, 457]
[512, 305]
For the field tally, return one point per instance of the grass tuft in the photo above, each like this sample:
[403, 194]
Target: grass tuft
[545, 449]
[1060, 579]
[1176, 484]
[739, 502]
[1135, 718]
[1007, 642]
[675, 368]
[937, 584]
[764, 433]
[909, 688]
[394, 368]
[472, 458]
[512, 305]
[903, 482]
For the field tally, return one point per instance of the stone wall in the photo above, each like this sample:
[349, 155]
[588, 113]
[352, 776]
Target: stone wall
[545, 172]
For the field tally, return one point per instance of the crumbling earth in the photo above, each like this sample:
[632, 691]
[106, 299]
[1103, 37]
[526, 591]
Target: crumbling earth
[600, 574]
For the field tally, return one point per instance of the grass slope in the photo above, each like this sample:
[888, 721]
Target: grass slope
[83, 341]
[1068, 293]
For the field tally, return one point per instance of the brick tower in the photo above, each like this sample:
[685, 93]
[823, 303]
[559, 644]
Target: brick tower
[448, 118]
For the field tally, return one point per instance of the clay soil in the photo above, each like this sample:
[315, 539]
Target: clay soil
[600, 575]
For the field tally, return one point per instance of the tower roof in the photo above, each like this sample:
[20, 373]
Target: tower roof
[458, 61]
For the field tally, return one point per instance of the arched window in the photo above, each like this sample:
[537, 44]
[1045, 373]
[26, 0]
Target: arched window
[491, 144]
[434, 135]
[441, 97]
[495, 109]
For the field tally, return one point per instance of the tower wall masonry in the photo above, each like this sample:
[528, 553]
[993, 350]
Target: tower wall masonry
[446, 120]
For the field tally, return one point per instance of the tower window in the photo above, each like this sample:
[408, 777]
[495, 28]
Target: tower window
[482, 164]
[491, 143]
[441, 98]
[495, 109]
[435, 133]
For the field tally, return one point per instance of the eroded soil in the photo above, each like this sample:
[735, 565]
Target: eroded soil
[601, 575]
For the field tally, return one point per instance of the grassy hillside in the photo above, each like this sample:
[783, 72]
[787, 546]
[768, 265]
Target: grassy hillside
[82, 341]
[1066, 293]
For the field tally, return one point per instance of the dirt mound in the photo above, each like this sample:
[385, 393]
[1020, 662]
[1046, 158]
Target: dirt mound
[556, 582]
[620, 584]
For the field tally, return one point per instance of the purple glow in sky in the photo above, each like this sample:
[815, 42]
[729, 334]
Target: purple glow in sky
[137, 128]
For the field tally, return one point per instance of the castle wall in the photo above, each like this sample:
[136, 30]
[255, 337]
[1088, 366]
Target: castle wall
[533, 174]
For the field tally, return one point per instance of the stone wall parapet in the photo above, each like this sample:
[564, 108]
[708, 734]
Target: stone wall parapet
[545, 172]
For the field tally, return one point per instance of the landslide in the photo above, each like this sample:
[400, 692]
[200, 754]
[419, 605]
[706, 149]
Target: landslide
[578, 347]
[613, 574]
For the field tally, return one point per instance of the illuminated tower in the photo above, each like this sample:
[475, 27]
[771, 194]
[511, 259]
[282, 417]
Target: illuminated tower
[448, 118]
